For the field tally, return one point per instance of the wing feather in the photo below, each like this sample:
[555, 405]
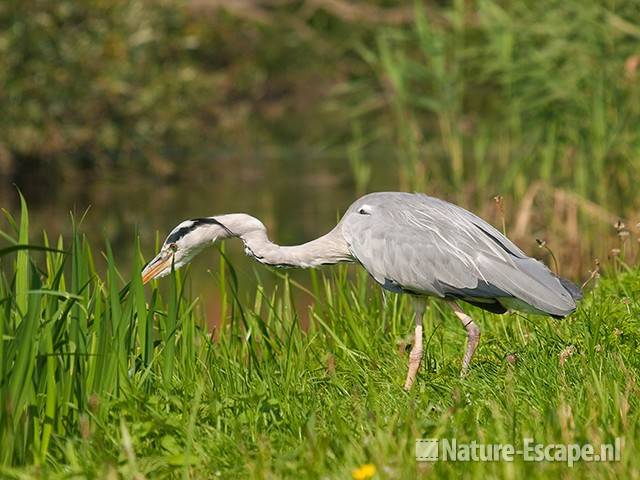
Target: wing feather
[420, 244]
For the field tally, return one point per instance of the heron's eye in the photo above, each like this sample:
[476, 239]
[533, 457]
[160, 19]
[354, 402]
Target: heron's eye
[173, 247]
[365, 210]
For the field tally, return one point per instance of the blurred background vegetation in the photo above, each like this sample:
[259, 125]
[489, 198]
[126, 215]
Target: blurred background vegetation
[289, 109]
[136, 114]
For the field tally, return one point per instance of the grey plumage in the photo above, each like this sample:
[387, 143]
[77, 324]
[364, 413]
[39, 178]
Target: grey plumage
[419, 244]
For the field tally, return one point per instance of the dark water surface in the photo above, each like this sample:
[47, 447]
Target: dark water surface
[298, 198]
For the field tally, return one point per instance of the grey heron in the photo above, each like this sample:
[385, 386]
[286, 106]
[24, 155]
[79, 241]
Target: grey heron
[409, 243]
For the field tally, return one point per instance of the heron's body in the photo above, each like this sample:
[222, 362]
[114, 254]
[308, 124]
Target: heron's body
[426, 246]
[409, 243]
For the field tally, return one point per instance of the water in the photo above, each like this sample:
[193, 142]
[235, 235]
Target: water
[297, 196]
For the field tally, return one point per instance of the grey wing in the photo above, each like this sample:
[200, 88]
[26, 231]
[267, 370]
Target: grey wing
[418, 244]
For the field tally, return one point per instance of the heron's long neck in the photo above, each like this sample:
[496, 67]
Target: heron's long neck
[327, 249]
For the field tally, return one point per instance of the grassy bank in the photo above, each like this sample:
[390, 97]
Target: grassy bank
[100, 377]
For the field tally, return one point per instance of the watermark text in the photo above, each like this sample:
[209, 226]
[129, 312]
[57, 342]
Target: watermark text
[450, 450]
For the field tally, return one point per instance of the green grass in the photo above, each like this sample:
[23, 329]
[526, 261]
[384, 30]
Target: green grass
[493, 95]
[104, 378]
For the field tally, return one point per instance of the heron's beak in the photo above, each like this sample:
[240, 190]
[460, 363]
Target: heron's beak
[155, 266]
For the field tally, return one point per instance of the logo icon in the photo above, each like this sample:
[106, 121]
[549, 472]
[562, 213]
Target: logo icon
[427, 449]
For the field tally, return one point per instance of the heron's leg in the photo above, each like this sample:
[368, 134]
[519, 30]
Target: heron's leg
[416, 351]
[473, 336]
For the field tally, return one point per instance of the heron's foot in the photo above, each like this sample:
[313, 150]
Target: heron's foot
[414, 364]
[414, 359]
[473, 337]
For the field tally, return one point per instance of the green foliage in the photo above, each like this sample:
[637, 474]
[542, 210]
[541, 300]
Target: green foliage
[99, 378]
[132, 83]
[97, 80]
[481, 96]
[498, 94]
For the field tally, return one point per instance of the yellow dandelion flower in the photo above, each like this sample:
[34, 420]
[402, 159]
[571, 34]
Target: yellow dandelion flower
[365, 472]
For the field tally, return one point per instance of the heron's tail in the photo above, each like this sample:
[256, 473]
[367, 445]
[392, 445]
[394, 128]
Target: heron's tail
[533, 284]
[572, 288]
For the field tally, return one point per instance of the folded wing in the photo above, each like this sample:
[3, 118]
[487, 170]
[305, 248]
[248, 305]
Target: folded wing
[419, 244]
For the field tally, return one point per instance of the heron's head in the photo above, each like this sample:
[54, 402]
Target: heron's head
[183, 243]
